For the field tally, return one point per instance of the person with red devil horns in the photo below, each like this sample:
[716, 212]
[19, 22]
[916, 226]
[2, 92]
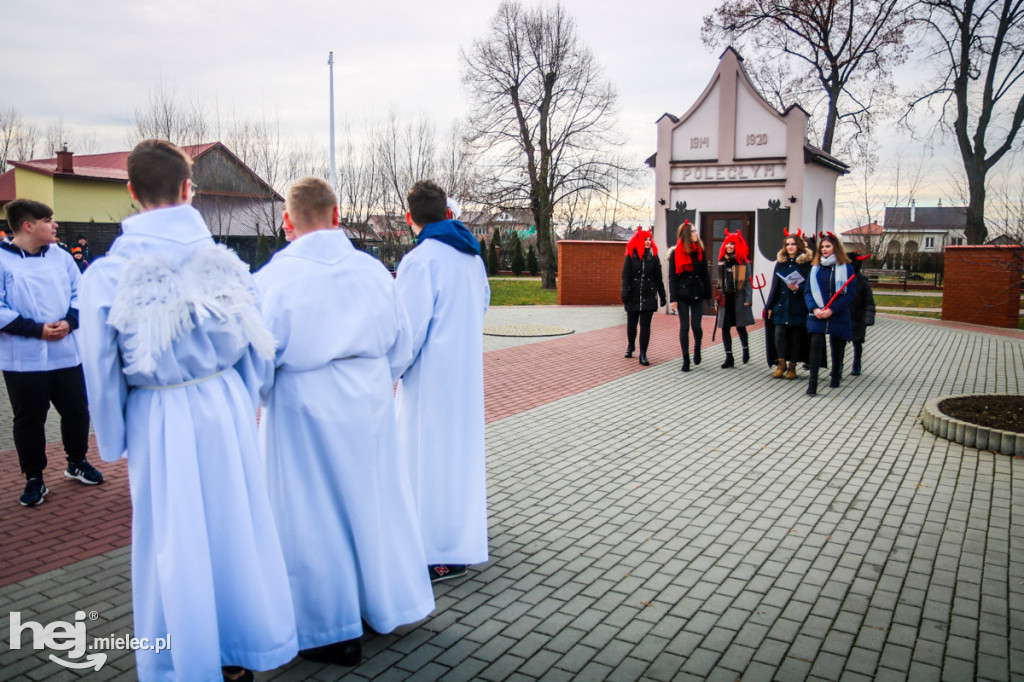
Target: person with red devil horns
[643, 289]
[828, 293]
[785, 309]
[689, 286]
[736, 294]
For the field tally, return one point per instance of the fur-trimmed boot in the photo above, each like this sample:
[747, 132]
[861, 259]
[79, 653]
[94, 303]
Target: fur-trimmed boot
[780, 368]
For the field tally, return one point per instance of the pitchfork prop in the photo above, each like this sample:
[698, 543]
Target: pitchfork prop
[759, 282]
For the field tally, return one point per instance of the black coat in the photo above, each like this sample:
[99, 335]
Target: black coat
[862, 310]
[788, 307]
[682, 286]
[642, 284]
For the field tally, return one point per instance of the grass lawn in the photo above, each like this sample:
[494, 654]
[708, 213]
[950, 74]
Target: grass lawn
[899, 301]
[938, 316]
[520, 291]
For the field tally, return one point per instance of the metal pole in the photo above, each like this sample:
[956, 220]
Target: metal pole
[334, 171]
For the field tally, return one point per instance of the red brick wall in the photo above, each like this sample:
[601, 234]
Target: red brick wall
[590, 272]
[981, 285]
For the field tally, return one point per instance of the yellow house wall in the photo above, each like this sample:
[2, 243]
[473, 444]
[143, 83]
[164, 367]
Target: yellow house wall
[36, 186]
[90, 200]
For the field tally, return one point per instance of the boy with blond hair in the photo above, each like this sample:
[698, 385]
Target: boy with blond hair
[340, 492]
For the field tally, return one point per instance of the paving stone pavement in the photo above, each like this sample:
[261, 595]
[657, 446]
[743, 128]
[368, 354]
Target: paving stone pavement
[714, 525]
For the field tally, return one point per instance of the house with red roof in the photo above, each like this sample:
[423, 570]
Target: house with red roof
[89, 195]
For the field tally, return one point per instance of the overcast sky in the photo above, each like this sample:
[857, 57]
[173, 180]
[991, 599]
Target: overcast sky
[93, 62]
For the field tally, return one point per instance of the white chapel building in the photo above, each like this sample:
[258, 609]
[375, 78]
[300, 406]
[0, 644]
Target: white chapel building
[733, 162]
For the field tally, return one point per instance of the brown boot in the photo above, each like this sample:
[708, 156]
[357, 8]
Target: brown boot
[779, 369]
[791, 371]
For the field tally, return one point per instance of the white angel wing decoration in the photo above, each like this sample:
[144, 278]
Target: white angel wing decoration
[217, 285]
[150, 310]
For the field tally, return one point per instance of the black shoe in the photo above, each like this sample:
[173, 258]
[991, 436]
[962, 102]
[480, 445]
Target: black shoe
[629, 352]
[686, 363]
[696, 355]
[35, 491]
[643, 359]
[84, 472]
[441, 572]
[728, 361]
[834, 383]
[855, 370]
[349, 652]
[746, 355]
[812, 388]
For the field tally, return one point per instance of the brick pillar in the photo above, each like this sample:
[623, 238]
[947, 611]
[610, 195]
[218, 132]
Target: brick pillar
[982, 285]
[590, 272]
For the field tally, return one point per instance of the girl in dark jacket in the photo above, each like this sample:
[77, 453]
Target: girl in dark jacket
[737, 294]
[786, 308]
[642, 289]
[862, 310]
[689, 285]
[829, 305]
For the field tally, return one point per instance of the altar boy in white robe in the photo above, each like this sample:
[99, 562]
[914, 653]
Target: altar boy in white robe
[340, 492]
[174, 350]
[443, 286]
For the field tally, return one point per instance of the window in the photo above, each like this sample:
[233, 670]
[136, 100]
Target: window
[929, 242]
[956, 241]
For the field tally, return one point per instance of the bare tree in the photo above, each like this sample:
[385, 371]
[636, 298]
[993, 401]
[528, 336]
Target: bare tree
[168, 115]
[979, 47]
[543, 116]
[58, 134]
[836, 53]
[18, 138]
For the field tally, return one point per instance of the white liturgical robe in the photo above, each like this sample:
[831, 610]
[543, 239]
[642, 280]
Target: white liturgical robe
[340, 491]
[440, 398]
[169, 326]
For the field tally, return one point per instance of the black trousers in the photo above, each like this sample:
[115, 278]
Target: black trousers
[727, 337]
[690, 314]
[838, 345]
[644, 318]
[31, 394]
[788, 342]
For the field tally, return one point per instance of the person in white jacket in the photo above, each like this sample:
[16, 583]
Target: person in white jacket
[443, 286]
[340, 492]
[38, 351]
[175, 351]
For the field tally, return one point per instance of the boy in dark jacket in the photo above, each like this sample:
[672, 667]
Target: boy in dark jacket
[862, 311]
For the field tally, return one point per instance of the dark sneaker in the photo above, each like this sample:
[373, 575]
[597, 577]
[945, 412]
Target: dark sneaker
[35, 491]
[84, 472]
[440, 572]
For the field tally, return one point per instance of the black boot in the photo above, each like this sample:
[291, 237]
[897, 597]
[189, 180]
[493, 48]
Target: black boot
[746, 354]
[696, 353]
[817, 352]
[838, 351]
[643, 359]
[629, 351]
[348, 652]
[857, 349]
[686, 363]
[728, 361]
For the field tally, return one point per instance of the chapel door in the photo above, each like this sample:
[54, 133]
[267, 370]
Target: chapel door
[712, 233]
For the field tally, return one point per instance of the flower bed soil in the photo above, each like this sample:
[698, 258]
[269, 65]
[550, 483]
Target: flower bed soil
[1003, 412]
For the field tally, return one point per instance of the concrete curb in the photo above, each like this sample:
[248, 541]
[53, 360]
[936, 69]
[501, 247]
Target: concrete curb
[972, 435]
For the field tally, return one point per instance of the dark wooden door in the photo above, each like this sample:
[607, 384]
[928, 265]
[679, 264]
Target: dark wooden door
[712, 233]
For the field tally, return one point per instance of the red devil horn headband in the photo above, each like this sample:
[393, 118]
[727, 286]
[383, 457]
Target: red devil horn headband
[799, 232]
